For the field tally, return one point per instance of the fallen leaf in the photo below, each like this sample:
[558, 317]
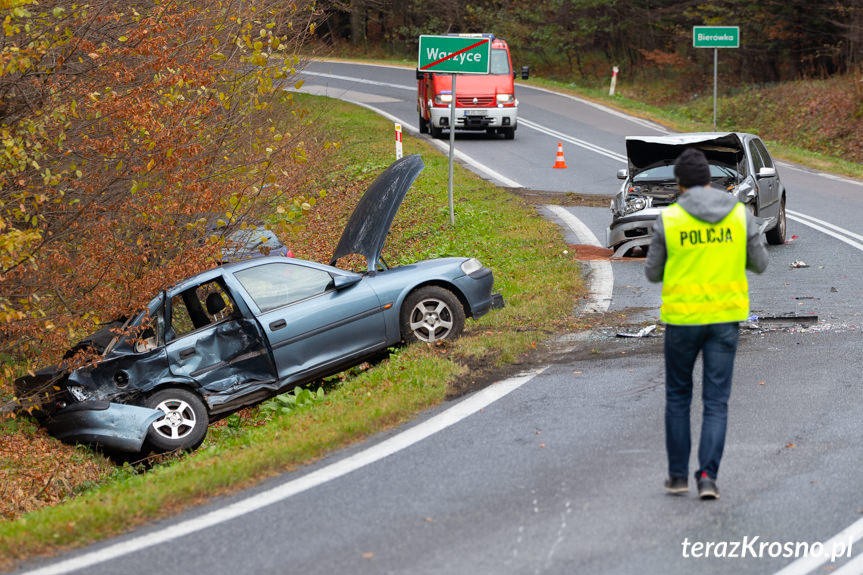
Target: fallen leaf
[576, 372]
[368, 555]
[789, 445]
[542, 444]
[761, 383]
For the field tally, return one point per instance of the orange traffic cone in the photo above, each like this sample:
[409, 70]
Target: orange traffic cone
[560, 163]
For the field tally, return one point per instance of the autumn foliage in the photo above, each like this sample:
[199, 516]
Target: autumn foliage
[130, 134]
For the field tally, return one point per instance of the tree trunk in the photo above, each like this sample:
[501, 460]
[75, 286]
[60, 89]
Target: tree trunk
[358, 22]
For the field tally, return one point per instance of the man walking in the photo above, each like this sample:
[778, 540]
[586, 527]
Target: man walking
[700, 251]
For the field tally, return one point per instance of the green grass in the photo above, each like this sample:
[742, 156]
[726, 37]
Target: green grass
[526, 254]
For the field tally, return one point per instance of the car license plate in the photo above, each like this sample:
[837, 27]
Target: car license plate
[474, 112]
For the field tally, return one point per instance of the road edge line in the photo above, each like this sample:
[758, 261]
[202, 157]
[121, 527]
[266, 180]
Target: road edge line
[464, 408]
[601, 276]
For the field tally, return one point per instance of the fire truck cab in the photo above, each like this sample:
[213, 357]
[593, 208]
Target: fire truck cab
[483, 101]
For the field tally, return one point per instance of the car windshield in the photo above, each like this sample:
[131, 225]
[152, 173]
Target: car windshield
[665, 173]
[499, 62]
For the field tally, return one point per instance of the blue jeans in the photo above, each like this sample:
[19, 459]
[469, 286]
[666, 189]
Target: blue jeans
[717, 343]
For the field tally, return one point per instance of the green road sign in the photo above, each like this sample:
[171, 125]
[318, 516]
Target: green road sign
[454, 54]
[716, 36]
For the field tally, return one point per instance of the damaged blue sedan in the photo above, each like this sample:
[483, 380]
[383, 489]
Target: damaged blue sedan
[245, 331]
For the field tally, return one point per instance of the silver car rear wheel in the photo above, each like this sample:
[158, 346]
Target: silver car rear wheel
[431, 314]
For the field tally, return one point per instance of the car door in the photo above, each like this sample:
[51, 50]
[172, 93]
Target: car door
[210, 341]
[312, 322]
[771, 203]
[767, 184]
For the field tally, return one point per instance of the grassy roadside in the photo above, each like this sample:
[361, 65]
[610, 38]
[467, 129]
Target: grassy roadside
[526, 253]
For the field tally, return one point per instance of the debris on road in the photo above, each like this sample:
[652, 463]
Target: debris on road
[798, 264]
[775, 321]
[644, 332]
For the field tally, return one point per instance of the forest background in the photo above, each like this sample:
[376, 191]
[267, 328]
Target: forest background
[796, 77]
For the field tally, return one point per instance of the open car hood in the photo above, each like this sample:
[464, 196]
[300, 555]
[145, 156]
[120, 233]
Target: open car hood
[367, 228]
[644, 152]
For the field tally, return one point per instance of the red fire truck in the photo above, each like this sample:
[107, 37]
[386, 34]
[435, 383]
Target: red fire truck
[483, 101]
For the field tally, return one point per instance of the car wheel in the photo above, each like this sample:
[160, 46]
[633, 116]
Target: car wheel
[509, 133]
[435, 131]
[424, 125]
[776, 235]
[184, 425]
[431, 314]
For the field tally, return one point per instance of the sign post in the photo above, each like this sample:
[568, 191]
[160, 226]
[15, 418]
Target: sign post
[468, 54]
[715, 37]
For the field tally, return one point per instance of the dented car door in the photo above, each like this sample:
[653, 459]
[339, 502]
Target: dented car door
[311, 321]
[211, 342]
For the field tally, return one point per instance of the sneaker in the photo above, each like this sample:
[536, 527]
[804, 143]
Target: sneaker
[677, 485]
[707, 488]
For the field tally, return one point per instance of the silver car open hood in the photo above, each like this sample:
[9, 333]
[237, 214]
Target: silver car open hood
[367, 229]
[644, 152]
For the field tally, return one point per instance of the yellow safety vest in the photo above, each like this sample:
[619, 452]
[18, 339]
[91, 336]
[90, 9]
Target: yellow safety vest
[705, 274]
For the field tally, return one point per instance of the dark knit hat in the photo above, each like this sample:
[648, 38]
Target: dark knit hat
[691, 169]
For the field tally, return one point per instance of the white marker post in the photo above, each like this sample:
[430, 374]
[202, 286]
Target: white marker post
[614, 72]
[398, 141]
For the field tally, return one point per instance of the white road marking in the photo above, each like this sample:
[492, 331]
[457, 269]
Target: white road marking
[403, 440]
[601, 275]
[565, 138]
[853, 567]
[804, 565]
[823, 226]
[444, 147]
[606, 109]
[843, 179]
[302, 73]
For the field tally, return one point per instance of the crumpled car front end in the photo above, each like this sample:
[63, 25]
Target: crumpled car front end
[649, 184]
[79, 405]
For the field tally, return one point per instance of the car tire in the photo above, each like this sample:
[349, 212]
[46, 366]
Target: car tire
[430, 314]
[776, 235]
[424, 125]
[435, 131]
[184, 426]
[509, 133]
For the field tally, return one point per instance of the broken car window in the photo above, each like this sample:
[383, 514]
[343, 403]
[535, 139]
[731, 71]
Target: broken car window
[199, 307]
[279, 284]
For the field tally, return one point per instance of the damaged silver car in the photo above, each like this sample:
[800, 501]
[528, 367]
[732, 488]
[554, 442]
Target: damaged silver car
[739, 164]
[245, 331]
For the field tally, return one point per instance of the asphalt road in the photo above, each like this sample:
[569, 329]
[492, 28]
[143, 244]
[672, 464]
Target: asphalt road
[561, 471]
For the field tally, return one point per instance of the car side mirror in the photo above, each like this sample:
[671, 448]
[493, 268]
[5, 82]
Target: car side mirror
[622, 173]
[767, 172]
[525, 72]
[342, 282]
